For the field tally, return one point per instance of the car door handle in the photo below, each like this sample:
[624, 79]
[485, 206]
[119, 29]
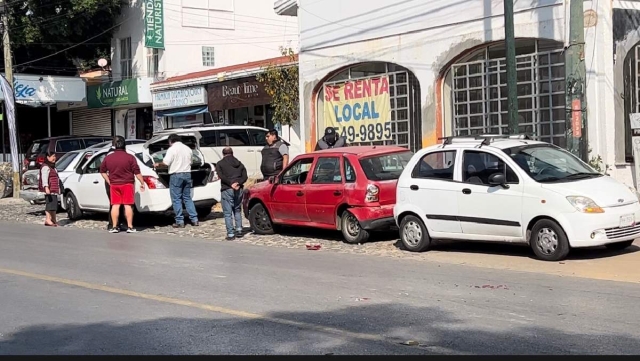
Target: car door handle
[414, 187]
[466, 191]
[337, 193]
[299, 194]
[95, 182]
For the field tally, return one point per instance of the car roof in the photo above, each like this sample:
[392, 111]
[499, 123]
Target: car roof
[70, 137]
[208, 127]
[499, 144]
[363, 150]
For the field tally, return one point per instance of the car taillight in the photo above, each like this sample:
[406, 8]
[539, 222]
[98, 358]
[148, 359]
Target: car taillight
[213, 176]
[372, 193]
[40, 160]
[153, 182]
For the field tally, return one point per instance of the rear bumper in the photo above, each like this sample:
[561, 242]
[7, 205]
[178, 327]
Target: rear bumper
[374, 218]
[159, 200]
[32, 196]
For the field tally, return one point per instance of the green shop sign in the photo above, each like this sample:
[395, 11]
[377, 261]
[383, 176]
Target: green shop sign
[113, 94]
[153, 24]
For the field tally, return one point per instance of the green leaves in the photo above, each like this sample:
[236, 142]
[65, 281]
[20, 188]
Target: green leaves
[281, 84]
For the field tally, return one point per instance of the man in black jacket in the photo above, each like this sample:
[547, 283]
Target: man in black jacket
[330, 140]
[233, 175]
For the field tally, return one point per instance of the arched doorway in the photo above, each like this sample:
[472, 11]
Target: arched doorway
[404, 89]
[475, 91]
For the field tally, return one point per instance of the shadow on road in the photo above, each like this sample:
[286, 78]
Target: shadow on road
[435, 330]
[329, 235]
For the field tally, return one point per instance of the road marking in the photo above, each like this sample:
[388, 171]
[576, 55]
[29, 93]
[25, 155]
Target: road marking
[204, 306]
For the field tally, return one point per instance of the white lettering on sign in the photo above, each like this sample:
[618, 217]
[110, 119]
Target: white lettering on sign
[179, 98]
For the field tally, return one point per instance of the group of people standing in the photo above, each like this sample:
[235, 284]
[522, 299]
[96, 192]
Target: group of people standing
[120, 171]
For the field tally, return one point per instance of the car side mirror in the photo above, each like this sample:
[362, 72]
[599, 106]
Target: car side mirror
[497, 179]
[79, 170]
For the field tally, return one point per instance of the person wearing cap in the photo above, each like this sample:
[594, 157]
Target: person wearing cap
[331, 139]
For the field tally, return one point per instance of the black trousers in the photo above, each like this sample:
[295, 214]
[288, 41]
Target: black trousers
[123, 219]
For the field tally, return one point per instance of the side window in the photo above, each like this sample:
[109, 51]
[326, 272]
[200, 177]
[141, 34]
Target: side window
[65, 146]
[94, 165]
[258, 137]
[233, 138]
[478, 166]
[436, 165]
[209, 138]
[297, 173]
[327, 171]
[349, 172]
[88, 142]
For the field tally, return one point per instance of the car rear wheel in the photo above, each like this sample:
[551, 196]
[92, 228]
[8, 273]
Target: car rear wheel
[204, 212]
[618, 246]
[414, 234]
[352, 232]
[260, 221]
[548, 241]
[73, 209]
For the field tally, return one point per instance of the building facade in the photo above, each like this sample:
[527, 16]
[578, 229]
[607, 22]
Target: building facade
[444, 62]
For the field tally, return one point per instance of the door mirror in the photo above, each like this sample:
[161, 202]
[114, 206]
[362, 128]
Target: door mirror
[497, 179]
[79, 170]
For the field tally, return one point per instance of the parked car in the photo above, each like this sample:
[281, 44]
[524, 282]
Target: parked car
[65, 166]
[85, 190]
[247, 143]
[349, 189]
[110, 141]
[60, 145]
[512, 189]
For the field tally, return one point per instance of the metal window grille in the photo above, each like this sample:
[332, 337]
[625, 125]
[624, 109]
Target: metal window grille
[479, 96]
[208, 58]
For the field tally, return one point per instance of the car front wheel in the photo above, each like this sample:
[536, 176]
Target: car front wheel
[548, 241]
[260, 221]
[73, 209]
[414, 234]
[352, 232]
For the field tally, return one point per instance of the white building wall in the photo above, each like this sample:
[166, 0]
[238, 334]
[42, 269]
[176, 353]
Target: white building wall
[240, 31]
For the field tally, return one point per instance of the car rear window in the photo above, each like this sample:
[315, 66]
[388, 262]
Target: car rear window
[38, 148]
[386, 166]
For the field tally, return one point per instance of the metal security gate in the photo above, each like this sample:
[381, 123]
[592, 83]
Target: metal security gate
[479, 96]
[405, 104]
[91, 122]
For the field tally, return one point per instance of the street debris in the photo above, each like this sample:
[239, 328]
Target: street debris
[358, 299]
[410, 343]
[313, 247]
[492, 287]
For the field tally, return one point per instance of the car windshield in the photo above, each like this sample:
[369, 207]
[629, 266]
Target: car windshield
[386, 166]
[65, 160]
[546, 163]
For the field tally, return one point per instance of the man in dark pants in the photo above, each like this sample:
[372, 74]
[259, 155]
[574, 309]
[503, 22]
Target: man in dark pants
[233, 176]
[275, 155]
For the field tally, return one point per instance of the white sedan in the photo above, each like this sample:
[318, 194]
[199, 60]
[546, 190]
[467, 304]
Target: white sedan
[85, 189]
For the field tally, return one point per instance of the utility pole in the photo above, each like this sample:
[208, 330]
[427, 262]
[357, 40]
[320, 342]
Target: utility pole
[575, 74]
[512, 79]
[8, 72]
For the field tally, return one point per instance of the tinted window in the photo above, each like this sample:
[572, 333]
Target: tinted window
[477, 167]
[209, 138]
[233, 138]
[35, 147]
[297, 173]
[327, 171]
[93, 141]
[437, 165]
[259, 137]
[349, 172]
[385, 167]
[69, 145]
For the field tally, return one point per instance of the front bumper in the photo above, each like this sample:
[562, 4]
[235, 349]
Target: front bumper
[591, 230]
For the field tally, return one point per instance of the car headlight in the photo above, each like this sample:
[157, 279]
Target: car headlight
[584, 204]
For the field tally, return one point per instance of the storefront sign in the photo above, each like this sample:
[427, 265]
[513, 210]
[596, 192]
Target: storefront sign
[237, 94]
[153, 24]
[360, 109]
[113, 94]
[47, 89]
[180, 98]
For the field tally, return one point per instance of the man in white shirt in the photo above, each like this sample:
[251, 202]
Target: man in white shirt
[178, 159]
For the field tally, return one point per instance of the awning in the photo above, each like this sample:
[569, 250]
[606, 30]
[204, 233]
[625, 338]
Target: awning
[183, 111]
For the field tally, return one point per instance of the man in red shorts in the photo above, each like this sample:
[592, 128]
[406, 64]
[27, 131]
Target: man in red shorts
[120, 169]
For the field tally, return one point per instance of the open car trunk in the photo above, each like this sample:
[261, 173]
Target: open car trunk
[156, 148]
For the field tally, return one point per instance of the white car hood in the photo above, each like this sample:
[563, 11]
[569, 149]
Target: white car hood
[605, 191]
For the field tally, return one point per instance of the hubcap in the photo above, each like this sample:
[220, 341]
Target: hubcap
[352, 226]
[412, 233]
[547, 241]
[262, 221]
[70, 207]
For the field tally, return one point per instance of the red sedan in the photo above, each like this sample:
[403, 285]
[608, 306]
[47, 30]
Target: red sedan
[350, 189]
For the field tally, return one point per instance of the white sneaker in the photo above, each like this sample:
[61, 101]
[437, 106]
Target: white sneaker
[114, 230]
[131, 230]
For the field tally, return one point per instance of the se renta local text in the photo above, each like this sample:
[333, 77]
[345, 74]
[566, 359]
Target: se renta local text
[356, 100]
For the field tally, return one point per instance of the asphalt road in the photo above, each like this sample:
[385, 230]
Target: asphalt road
[71, 291]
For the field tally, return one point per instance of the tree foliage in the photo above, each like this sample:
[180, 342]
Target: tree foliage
[281, 84]
[39, 28]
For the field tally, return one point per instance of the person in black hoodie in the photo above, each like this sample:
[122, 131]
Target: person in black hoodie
[233, 175]
[331, 140]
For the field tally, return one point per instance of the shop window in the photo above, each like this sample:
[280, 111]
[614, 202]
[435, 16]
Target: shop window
[327, 171]
[153, 62]
[126, 61]
[479, 92]
[208, 58]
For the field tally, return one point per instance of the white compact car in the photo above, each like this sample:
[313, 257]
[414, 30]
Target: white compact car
[85, 189]
[512, 189]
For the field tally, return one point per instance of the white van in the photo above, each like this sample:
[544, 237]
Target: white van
[247, 143]
[512, 189]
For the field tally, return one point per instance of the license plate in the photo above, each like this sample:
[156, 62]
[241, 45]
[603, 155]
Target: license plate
[32, 163]
[627, 220]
